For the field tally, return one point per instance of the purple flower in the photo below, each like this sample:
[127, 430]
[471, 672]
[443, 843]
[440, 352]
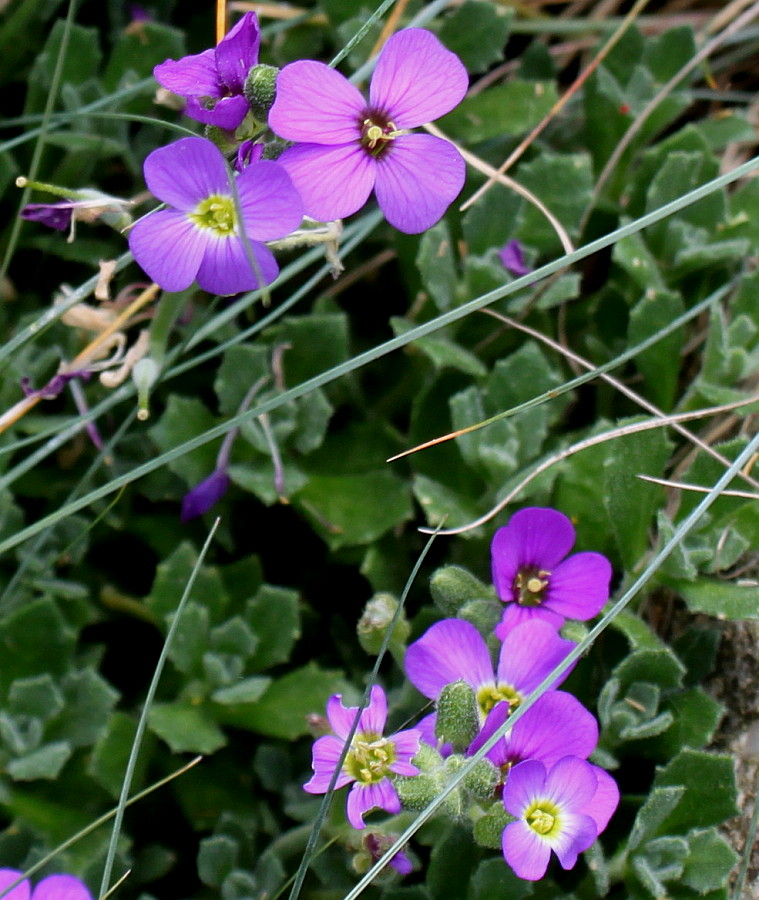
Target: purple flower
[54, 887]
[531, 578]
[213, 81]
[454, 650]
[556, 725]
[371, 760]
[351, 146]
[512, 258]
[205, 495]
[561, 809]
[200, 236]
[54, 215]
[377, 844]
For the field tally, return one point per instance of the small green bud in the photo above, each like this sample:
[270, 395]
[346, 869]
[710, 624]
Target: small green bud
[260, 89]
[483, 614]
[427, 759]
[488, 829]
[416, 791]
[223, 139]
[144, 375]
[274, 149]
[376, 620]
[574, 631]
[458, 719]
[482, 780]
[453, 586]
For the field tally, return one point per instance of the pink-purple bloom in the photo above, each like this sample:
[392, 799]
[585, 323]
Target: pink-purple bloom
[348, 147]
[205, 495]
[201, 236]
[453, 650]
[54, 887]
[561, 809]
[371, 761]
[534, 580]
[213, 81]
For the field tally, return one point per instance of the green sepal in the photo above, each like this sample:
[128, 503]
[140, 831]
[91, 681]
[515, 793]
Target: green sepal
[260, 89]
[457, 721]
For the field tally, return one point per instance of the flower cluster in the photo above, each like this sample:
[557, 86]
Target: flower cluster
[551, 799]
[54, 887]
[218, 219]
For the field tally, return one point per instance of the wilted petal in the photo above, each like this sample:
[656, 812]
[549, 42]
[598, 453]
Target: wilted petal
[418, 177]
[186, 172]
[579, 587]
[226, 113]
[226, 268]
[529, 653]
[525, 851]
[61, 887]
[237, 53]
[54, 215]
[271, 207]
[204, 495]
[512, 258]
[190, 76]
[316, 104]
[416, 79]
[169, 248]
[537, 537]
[449, 651]
[21, 891]
[333, 182]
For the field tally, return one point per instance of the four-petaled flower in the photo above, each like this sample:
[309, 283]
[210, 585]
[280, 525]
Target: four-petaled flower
[371, 759]
[563, 809]
[213, 81]
[534, 580]
[350, 146]
[202, 237]
[54, 887]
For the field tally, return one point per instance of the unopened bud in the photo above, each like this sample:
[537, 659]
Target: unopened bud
[488, 829]
[377, 619]
[416, 791]
[457, 720]
[481, 781]
[260, 89]
[144, 374]
[452, 586]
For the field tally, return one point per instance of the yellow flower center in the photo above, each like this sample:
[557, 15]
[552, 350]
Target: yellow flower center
[491, 694]
[544, 818]
[530, 586]
[370, 758]
[216, 213]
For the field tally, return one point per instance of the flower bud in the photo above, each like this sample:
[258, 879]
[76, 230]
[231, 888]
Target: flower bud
[144, 374]
[416, 791]
[488, 829]
[573, 630]
[375, 622]
[260, 90]
[482, 780]
[457, 720]
[453, 586]
[427, 759]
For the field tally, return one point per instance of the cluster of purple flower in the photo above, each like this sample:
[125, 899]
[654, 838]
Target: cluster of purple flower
[345, 146]
[553, 798]
[54, 887]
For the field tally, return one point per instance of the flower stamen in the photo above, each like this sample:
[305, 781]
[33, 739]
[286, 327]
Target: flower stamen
[530, 585]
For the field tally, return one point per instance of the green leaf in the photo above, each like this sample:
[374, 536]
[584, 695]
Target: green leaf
[38, 697]
[476, 33]
[444, 504]
[89, 700]
[217, 857]
[709, 862]
[46, 762]
[108, 761]
[450, 865]
[637, 631]
[630, 502]
[659, 804]
[34, 639]
[186, 728]
[80, 63]
[275, 619]
[249, 690]
[711, 792]
[633, 255]
[253, 362]
[492, 221]
[317, 342]
[442, 351]
[344, 508]
[660, 364]
[190, 639]
[492, 879]
[283, 709]
[183, 419]
[436, 264]
[721, 599]
[696, 717]
[136, 53]
[171, 580]
[506, 109]
[660, 667]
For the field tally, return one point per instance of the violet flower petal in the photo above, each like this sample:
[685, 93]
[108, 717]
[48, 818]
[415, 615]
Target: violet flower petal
[226, 113]
[237, 53]
[558, 725]
[571, 782]
[226, 269]
[525, 783]
[205, 495]
[515, 615]
[418, 177]
[416, 79]
[271, 207]
[333, 182]
[526, 853]
[186, 172]
[21, 891]
[512, 258]
[374, 716]
[326, 755]
[365, 797]
[529, 653]
[449, 651]
[191, 76]
[316, 104]
[605, 800]
[578, 832]
[535, 536]
[169, 247]
[61, 887]
[54, 215]
[340, 717]
[579, 586]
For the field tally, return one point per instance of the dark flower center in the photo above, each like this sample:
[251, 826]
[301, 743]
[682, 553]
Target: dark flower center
[377, 131]
[530, 586]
